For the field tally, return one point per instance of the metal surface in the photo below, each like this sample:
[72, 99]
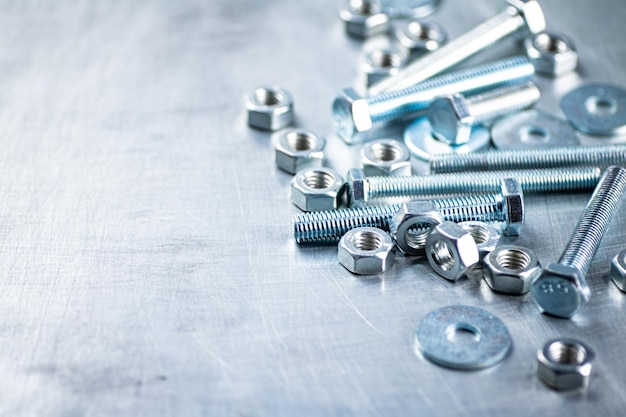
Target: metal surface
[148, 263]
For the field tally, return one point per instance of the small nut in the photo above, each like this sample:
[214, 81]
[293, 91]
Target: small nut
[364, 18]
[269, 108]
[511, 269]
[316, 189]
[560, 290]
[382, 63]
[366, 251]
[299, 149]
[418, 36]
[618, 270]
[451, 251]
[565, 364]
[485, 235]
[386, 157]
[412, 224]
[513, 207]
[551, 54]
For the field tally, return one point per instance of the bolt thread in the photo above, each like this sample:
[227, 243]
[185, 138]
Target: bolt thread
[503, 101]
[596, 156]
[594, 221]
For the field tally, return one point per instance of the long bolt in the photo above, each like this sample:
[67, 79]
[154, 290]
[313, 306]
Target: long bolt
[521, 14]
[561, 289]
[596, 156]
[355, 114]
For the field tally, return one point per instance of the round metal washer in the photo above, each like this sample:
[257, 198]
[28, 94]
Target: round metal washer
[491, 341]
[597, 109]
[419, 139]
[532, 129]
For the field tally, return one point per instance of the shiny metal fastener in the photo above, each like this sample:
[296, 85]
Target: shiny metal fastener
[532, 129]
[565, 364]
[597, 109]
[366, 251]
[452, 251]
[296, 150]
[269, 108]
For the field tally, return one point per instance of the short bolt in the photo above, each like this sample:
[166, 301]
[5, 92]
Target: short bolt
[561, 289]
[520, 15]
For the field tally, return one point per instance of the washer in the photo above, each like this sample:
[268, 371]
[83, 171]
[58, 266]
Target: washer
[435, 337]
[532, 129]
[597, 109]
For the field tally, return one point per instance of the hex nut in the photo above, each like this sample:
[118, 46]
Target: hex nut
[451, 251]
[364, 18]
[618, 270]
[560, 290]
[511, 269]
[382, 63]
[485, 235]
[551, 54]
[366, 251]
[565, 364]
[385, 157]
[412, 224]
[316, 189]
[418, 36]
[298, 149]
[513, 207]
[269, 108]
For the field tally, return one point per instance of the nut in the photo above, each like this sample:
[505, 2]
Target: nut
[411, 225]
[418, 36]
[485, 236]
[382, 63]
[269, 108]
[316, 189]
[560, 290]
[451, 251]
[618, 270]
[299, 149]
[513, 207]
[565, 364]
[511, 269]
[366, 251]
[450, 119]
[364, 18]
[551, 54]
[386, 157]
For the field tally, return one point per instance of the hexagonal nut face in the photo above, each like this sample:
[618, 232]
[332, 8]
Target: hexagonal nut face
[451, 251]
[618, 270]
[299, 149]
[560, 290]
[317, 189]
[565, 364]
[412, 224]
[269, 108]
[418, 36]
[511, 269]
[513, 207]
[551, 54]
[450, 119]
[364, 18]
[485, 235]
[386, 157]
[382, 63]
[366, 251]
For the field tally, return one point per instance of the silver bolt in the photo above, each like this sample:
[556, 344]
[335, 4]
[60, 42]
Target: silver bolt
[561, 289]
[452, 117]
[595, 156]
[521, 14]
[355, 114]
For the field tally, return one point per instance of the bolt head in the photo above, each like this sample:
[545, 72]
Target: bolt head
[350, 114]
[560, 290]
[513, 202]
[450, 119]
[532, 13]
[358, 187]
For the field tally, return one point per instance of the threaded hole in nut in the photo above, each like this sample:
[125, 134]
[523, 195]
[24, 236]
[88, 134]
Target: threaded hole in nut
[418, 31]
[386, 152]
[318, 179]
[416, 235]
[363, 7]
[442, 255]
[513, 259]
[479, 232]
[385, 59]
[367, 241]
[266, 97]
[300, 141]
[601, 106]
[551, 44]
[567, 353]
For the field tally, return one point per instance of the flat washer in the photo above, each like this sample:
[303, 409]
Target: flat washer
[491, 343]
[532, 129]
[597, 109]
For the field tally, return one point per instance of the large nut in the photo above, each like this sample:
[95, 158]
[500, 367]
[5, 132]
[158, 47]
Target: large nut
[418, 36]
[299, 149]
[560, 290]
[485, 235]
[382, 63]
[618, 270]
[451, 251]
[412, 224]
[269, 108]
[551, 54]
[386, 157]
[565, 364]
[366, 251]
[316, 189]
[364, 18]
[511, 269]
[513, 207]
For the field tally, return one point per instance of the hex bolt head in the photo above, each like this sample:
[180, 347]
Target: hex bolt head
[561, 290]
[450, 119]
[513, 202]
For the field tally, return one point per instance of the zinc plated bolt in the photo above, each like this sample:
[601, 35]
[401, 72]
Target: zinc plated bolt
[561, 289]
[521, 14]
[594, 156]
[355, 114]
[452, 117]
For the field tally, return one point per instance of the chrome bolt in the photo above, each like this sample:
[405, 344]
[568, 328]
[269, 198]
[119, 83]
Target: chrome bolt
[521, 14]
[354, 114]
[561, 289]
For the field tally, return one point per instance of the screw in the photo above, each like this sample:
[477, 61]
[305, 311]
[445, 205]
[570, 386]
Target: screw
[561, 289]
[354, 114]
[521, 14]
[452, 117]
[329, 226]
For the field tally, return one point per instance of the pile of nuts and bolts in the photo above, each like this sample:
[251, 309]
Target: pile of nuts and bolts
[455, 216]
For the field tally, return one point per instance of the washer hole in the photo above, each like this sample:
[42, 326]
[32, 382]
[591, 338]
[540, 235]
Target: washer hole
[267, 97]
[301, 141]
[533, 134]
[367, 241]
[479, 232]
[386, 152]
[513, 259]
[566, 353]
[463, 334]
[318, 179]
[551, 44]
[442, 255]
[601, 106]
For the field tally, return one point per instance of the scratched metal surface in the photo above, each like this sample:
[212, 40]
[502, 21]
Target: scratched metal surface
[147, 264]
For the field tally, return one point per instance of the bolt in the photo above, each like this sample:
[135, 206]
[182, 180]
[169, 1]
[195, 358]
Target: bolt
[355, 114]
[329, 226]
[561, 289]
[452, 117]
[590, 156]
[521, 14]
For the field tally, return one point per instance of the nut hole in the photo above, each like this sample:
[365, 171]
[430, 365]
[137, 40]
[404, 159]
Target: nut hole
[551, 44]
[442, 255]
[601, 106]
[417, 31]
[363, 7]
[266, 97]
[385, 59]
[367, 241]
[416, 236]
[301, 141]
[533, 134]
[566, 353]
[386, 152]
[462, 334]
[318, 179]
[513, 259]
[479, 232]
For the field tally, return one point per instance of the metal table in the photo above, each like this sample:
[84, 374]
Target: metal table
[148, 266]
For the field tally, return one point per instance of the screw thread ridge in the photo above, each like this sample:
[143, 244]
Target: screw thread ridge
[507, 100]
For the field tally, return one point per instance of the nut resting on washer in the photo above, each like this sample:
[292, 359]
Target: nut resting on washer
[565, 364]
[451, 251]
[551, 54]
[364, 18]
[385, 157]
[366, 251]
[269, 108]
[618, 270]
[316, 189]
[511, 269]
[411, 225]
[299, 149]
